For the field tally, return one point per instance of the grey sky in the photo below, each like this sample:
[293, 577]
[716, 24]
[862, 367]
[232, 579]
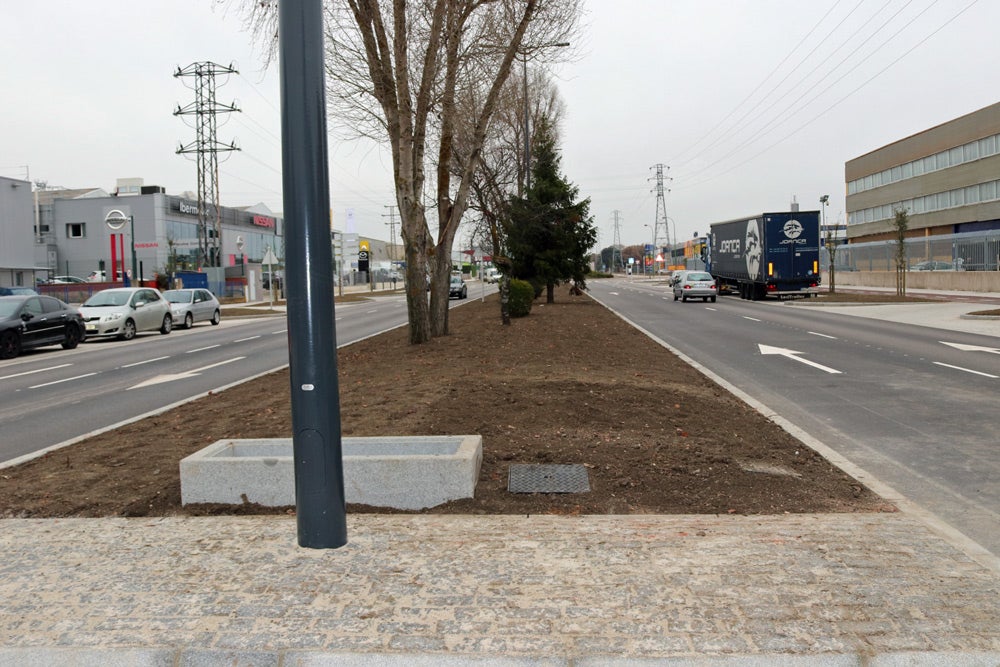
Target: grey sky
[88, 96]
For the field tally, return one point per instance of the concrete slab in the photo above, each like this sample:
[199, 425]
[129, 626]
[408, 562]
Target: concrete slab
[411, 472]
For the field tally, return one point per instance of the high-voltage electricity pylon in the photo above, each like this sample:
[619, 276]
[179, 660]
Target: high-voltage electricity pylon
[207, 148]
[661, 209]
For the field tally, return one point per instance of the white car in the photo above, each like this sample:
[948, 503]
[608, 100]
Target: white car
[124, 311]
[188, 306]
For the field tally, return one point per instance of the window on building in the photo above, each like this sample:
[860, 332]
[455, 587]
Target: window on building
[970, 151]
[988, 146]
[988, 191]
[76, 230]
[897, 174]
[918, 167]
[955, 156]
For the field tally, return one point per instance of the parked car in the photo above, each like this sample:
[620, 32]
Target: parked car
[96, 277]
[457, 287]
[694, 284]
[188, 306]
[28, 321]
[933, 266]
[17, 291]
[492, 275]
[63, 280]
[124, 311]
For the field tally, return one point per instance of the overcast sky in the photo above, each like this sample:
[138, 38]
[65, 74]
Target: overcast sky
[749, 103]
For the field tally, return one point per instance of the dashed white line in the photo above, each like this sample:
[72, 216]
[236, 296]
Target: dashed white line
[280, 331]
[814, 333]
[243, 340]
[47, 384]
[202, 349]
[967, 370]
[147, 361]
[40, 370]
[752, 319]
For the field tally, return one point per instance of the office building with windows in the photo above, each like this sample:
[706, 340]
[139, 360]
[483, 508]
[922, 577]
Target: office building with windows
[947, 178]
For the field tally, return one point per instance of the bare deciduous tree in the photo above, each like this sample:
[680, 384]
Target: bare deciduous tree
[396, 70]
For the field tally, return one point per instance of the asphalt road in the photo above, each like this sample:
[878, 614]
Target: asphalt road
[53, 395]
[894, 398]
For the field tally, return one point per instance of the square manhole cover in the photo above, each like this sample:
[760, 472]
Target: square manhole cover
[548, 478]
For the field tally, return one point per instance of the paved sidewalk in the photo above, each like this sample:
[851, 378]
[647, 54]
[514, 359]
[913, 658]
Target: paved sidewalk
[498, 590]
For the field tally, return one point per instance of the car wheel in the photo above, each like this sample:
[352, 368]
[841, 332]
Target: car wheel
[72, 337]
[128, 330]
[10, 345]
[704, 299]
[216, 317]
[188, 321]
[676, 297]
[684, 298]
[713, 299]
[168, 324]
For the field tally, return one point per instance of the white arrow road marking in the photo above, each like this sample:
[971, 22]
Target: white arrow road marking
[767, 349]
[182, 376]
[967, 370]
[971, 348]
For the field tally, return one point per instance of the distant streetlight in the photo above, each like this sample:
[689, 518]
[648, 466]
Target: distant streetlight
[527, 128]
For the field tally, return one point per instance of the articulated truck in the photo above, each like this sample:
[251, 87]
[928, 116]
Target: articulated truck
[771, 254]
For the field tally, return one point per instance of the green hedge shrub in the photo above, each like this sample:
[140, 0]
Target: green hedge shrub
[521, 296]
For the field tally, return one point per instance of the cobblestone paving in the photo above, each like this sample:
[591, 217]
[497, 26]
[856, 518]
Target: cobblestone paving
[535, 589]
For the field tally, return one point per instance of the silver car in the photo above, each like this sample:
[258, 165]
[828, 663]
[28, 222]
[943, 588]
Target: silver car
[694, 284]
[124, 311]
[188, 306]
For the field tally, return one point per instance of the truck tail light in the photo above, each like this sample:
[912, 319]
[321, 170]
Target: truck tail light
[815, 266]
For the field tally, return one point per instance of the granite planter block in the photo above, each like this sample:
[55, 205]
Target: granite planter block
[407, 472]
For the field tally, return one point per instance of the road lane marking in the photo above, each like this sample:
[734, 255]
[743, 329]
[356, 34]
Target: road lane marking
[40, 370]
[790, 354]
[147, 361]
[709, 308]
[159, 379]
[243, 340]
[280, 331]
[816, 333]
[48, 384]
[967, 370]
[971, 348]
[202, 349]
[752, 319]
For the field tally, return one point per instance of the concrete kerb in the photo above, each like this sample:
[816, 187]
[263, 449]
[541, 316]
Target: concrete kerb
[942, 529]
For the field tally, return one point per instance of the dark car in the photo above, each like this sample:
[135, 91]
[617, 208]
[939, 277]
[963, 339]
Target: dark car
[33, 321]
[457, 288]
[17, 291]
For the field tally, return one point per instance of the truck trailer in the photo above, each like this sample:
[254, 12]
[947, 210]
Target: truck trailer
[771, 254]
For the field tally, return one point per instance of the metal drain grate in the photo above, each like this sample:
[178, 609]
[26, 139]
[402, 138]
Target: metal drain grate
[548, 478]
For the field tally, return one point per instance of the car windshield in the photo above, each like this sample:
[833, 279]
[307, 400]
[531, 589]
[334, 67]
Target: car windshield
[108, 299]
[699, 276]
[178, 296]
[456, 280]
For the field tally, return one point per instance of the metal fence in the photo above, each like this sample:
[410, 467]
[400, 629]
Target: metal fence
[971, 251]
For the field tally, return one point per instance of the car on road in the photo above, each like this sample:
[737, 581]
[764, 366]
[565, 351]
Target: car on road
[28, 321]
[933, 266]
[694, 284]
[457, 287]
[125, 311]
[96, 277]
[64, 280]
[17, 291]
[492, 276]
[188, 306]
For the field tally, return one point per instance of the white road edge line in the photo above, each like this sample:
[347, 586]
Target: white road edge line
[48, 384]
[967, 370]
[40, 370]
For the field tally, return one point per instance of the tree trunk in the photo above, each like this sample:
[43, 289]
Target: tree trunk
[505, 300]
[440, 280]
[550, 293]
